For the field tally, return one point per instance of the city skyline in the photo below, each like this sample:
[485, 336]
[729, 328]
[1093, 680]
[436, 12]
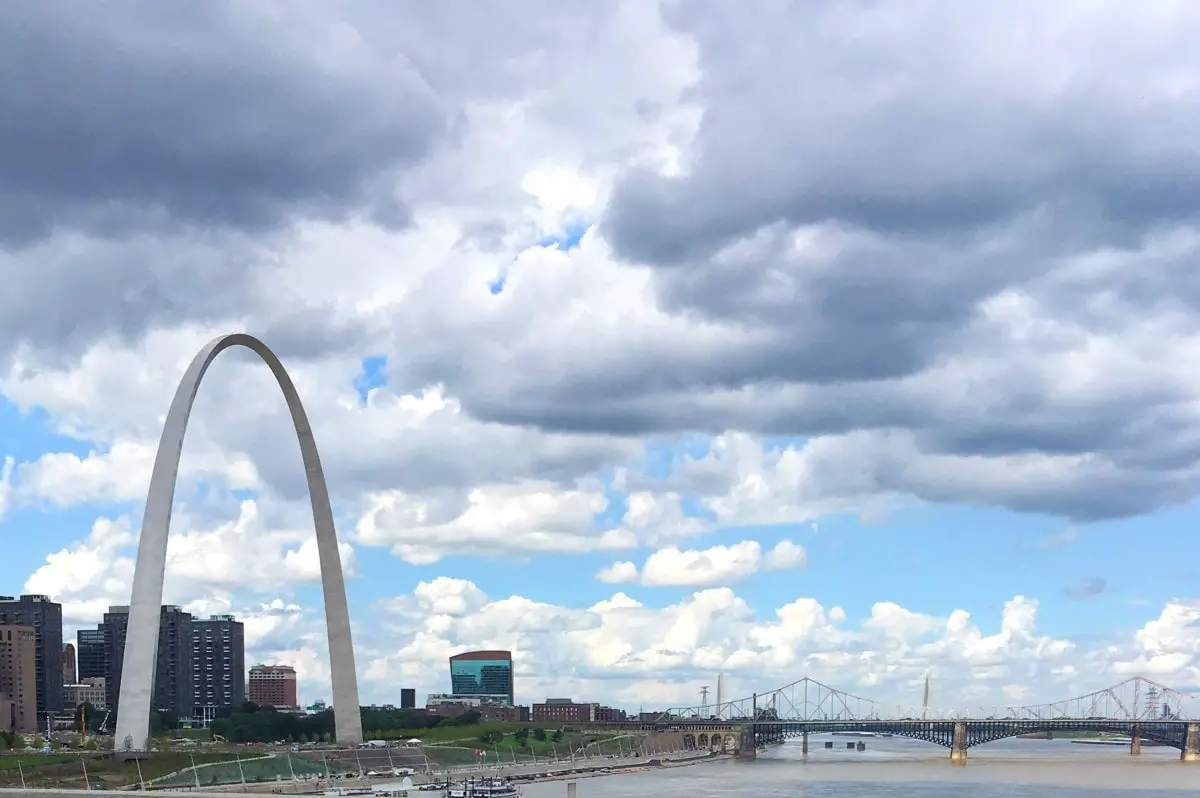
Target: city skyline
[633, 349]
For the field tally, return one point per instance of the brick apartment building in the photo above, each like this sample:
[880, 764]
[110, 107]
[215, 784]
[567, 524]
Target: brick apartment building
[491, 709]
[18, 678]
[563, 710]
[273, 686]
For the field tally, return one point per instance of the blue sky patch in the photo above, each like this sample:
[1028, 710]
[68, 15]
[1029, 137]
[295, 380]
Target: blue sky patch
[373, 375]
[570, 237]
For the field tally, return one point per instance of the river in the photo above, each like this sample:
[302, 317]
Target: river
[900, 768]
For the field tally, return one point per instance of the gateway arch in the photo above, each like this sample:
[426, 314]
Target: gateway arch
[141, 642]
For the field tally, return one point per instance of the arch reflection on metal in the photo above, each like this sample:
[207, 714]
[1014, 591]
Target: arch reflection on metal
[141, 642]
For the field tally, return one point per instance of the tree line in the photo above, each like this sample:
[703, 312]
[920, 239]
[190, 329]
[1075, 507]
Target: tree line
[251, 723]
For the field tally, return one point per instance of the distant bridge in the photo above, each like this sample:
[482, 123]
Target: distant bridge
[1138, 708]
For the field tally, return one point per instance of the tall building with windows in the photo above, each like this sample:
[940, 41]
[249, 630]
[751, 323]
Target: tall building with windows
[18, 678]
[273, 686]
[482, 673]
[218, 662]
[70, 675]
[89, 653]
[114, 627]
[173, 691]
[45, 618]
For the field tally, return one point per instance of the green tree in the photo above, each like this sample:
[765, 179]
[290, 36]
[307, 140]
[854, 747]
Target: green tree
[557, 736]
[86, 713]
[162, 720]
[265, 724]
[539, 734]
[521, 735]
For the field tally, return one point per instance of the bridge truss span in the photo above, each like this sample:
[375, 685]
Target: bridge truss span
[1137, 709]
[802, 700]
[946, 733]
[1135, 699]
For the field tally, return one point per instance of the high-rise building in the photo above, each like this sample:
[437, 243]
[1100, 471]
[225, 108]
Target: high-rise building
[69, 674]
[18, 677]
[114, 626]
[408, 698]
[482, 673]
[45, 617]
[89, 654]
[173, 666]
[218, 662]
[273, 686]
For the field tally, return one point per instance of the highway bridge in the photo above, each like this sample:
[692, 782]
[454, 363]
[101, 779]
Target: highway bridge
[1138, 708]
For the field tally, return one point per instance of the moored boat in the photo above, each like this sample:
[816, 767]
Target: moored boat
[490, 787]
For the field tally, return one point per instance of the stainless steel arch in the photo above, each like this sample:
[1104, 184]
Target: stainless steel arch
[141, 643]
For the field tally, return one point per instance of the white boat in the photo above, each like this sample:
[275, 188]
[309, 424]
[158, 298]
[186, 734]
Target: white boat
[859, 734]
[491, 787]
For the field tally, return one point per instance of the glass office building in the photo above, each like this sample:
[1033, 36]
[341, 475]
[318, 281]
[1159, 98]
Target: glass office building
[482, 673]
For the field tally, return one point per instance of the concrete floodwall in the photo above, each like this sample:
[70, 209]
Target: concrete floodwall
[662, 743]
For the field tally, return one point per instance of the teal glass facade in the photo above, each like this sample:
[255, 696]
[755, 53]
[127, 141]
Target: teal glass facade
[469, 676]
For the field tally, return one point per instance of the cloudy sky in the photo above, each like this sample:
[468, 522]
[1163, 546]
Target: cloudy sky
[650, 340]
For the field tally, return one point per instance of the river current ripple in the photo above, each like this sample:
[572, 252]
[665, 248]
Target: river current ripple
[899, 768]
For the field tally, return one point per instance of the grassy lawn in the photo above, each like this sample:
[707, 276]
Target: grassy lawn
[67, 770]
[510, 748]
[449, 734]
[458, 746]
[9, 761]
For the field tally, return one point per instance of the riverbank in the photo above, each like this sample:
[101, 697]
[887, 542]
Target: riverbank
[613, 770]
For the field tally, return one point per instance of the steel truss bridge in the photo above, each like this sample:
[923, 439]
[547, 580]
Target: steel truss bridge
[1138, 708]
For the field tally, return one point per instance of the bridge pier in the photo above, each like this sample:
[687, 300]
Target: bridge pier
[1191, 745]
[804, 743]
[1135, 745]
[958, 751]
[747, 743]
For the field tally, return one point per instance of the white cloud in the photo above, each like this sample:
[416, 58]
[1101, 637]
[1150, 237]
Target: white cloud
[529, 518]
[234, 556]
[718, 564]
[121, 474]
[785, 556]
[619, 572]
[622, 651]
